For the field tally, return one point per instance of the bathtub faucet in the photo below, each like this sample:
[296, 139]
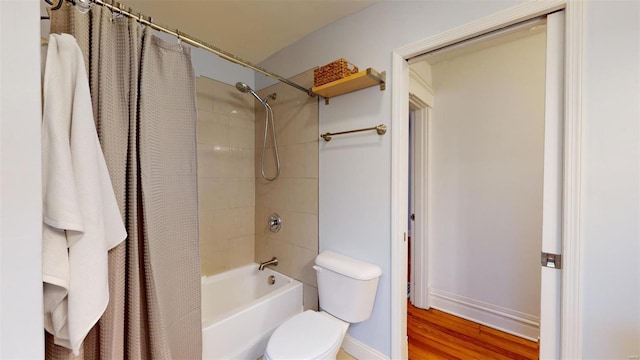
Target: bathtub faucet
[273, 261]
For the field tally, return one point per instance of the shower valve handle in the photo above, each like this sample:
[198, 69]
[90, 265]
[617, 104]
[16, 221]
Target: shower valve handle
[275, 222]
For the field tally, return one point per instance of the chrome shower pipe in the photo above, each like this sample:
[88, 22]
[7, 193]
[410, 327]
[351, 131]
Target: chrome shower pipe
[269, 113]
[242, 87]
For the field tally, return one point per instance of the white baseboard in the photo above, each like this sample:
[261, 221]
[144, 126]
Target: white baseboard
[360, 350]
[510, 321]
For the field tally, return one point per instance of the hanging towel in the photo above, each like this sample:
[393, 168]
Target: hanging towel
[81, 220]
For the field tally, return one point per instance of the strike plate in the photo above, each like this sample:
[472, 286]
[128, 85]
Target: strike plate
[549, 260]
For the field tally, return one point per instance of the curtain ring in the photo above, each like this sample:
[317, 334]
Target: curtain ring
[179, 39]
[58, 6]
[116, 11]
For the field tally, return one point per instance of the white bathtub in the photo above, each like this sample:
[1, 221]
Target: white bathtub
[240, 311]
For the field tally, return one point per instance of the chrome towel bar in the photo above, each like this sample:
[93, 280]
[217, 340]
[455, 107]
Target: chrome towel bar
[380, 129]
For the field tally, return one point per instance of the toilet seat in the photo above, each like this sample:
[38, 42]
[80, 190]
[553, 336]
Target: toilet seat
[308, 335]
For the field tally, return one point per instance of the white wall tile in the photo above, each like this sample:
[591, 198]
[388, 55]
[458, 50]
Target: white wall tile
[226, 183]
[294, 195]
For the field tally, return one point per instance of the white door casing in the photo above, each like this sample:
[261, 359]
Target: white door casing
[567, 331]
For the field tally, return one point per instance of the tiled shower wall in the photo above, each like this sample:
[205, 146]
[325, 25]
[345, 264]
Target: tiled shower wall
[235, 202]
[226, 181]
[294, 195]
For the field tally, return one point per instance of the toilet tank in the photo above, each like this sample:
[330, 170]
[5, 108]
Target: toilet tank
[346, 286]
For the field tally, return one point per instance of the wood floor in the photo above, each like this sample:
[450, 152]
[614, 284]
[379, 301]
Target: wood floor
[434, 334]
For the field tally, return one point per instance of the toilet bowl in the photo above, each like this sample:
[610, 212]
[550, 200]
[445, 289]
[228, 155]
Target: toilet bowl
[309, 335]
[346, 290]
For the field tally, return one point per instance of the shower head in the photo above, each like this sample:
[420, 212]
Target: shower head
[242, 87]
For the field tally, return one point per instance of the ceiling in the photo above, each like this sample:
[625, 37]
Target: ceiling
[250, 29]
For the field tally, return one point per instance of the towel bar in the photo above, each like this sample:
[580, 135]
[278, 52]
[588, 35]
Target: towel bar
[380, 129]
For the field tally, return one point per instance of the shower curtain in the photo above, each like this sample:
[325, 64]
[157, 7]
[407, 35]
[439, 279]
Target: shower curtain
[142, 90]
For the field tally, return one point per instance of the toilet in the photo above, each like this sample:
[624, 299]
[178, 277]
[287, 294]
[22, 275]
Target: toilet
[346, 289]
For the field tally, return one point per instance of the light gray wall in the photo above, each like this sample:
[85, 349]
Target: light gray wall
[611, 181]
[21, 325]
[486, 141]
[355, 171]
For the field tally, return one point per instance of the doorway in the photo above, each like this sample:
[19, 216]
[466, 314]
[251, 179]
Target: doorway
[566, 315]
[477, 164]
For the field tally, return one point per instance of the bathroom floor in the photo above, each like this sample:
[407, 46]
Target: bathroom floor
[434, 334]
[341, 356]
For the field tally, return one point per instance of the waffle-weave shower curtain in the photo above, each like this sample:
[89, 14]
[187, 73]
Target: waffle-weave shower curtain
[142, 90]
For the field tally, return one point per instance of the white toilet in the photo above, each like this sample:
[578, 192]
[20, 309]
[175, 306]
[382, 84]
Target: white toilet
[347, 289]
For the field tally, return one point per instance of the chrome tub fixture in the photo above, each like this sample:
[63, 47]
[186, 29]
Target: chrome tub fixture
[275, 222]
[273, 261]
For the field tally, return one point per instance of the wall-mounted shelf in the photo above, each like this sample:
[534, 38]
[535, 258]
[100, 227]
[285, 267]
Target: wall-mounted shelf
[361, 80]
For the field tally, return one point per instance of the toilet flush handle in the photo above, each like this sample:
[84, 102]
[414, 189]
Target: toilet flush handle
[317, 268]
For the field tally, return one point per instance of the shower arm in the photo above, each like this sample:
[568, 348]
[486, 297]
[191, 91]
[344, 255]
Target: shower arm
[148, 21]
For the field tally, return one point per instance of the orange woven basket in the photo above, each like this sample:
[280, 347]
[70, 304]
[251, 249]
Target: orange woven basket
[333, 71]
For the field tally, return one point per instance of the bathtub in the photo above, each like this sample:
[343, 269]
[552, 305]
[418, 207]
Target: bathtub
[240, 311]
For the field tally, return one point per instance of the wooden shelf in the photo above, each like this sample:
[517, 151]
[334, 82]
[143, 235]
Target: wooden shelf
[361, 80]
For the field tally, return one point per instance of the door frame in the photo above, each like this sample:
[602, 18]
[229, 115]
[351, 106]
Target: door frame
[419, 181]
[570, 331]
[421, 96]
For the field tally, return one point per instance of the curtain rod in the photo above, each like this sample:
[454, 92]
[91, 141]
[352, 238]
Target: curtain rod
[197, 43]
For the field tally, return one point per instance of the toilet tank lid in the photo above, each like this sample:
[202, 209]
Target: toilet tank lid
[347, 266]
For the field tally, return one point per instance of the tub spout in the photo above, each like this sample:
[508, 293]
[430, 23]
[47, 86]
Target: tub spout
[273, 261]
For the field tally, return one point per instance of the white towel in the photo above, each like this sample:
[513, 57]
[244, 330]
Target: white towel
[80, 214]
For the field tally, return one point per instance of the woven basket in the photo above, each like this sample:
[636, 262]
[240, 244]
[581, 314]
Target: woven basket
[333, 71]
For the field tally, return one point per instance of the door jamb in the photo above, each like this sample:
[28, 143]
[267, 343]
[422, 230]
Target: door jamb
[571, 303]
[419, 243]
